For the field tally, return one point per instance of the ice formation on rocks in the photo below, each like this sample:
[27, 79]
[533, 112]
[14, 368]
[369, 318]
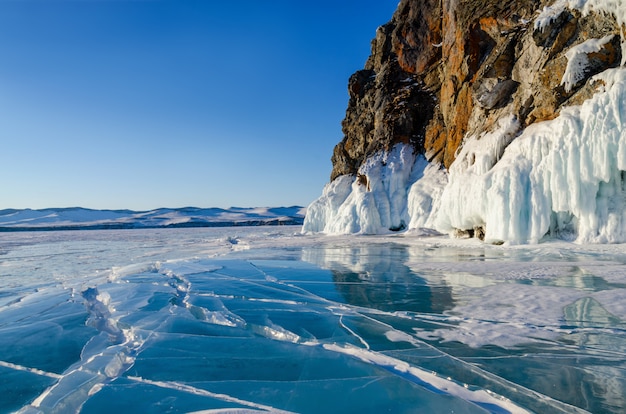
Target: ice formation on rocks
[560, 177]
[565, 177]
[526, 169]
[615, 7]
[373, 201]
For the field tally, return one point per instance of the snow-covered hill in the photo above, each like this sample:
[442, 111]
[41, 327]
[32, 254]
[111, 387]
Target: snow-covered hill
[81, 218]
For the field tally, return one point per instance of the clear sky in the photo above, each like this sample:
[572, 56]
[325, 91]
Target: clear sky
[142, 104]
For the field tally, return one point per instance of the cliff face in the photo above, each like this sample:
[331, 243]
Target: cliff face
[442, 69]
[450, 87]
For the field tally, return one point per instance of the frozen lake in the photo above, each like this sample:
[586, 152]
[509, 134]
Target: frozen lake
[241, 320]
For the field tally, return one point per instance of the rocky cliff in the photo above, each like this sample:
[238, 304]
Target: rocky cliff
[442, 69]
[445, 74]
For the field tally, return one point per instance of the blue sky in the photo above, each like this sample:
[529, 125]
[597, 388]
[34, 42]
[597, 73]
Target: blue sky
[168, 103]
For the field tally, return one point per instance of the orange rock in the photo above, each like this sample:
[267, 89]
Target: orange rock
[430, 78]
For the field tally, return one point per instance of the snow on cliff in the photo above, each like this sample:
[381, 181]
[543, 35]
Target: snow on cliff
[513, 181]
[374, 200]
[565, 177]
[614, 7]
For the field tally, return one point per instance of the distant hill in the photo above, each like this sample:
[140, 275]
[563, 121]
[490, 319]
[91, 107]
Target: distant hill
[77, 218]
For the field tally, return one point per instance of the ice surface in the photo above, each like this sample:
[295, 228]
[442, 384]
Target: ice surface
[182, 322]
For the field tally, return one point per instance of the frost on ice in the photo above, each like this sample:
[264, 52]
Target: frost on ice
[562, 178]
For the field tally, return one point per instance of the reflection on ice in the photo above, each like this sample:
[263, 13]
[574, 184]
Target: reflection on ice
[318, 325]
[505, 305]
[377, 276]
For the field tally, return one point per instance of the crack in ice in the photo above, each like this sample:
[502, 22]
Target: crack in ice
[173, 385]
[31, 370]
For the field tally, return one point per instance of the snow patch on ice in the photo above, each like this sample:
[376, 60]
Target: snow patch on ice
[525, 314]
